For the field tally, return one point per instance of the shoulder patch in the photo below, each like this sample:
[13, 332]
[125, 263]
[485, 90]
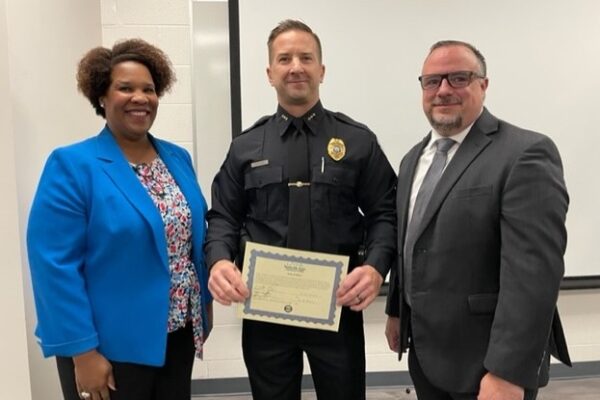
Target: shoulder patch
[261, 121]
[346, 119]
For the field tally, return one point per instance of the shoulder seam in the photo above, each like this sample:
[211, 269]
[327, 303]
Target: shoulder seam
[261, 121]
[346, 119]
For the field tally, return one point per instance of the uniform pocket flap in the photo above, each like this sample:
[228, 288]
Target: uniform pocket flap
[334, 175]
[483, 303]
[262, 176]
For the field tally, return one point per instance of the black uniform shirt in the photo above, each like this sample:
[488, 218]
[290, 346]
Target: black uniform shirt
[352, 200]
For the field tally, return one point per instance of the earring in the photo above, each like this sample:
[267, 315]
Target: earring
[102, 105]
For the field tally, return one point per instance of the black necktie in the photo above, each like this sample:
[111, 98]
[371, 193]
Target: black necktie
[430, 181]
[299, 189]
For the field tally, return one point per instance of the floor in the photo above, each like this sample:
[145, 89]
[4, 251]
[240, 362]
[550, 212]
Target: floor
[564, 389]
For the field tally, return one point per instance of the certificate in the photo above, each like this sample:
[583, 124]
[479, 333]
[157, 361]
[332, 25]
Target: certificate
[292, 287]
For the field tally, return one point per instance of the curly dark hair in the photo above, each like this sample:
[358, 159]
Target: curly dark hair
[95, 68]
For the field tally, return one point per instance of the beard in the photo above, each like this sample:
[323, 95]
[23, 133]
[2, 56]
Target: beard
[445, 125]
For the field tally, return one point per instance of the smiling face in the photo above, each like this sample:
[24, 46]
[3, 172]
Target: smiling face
[130, 103]
[451, 110]
[295, 70]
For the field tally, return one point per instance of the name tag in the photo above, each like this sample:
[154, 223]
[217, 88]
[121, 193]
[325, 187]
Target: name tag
[260, 163]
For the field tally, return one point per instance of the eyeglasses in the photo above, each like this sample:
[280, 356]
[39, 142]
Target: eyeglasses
[457, 80]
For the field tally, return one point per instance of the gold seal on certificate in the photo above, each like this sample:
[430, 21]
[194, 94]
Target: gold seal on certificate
[292, 287]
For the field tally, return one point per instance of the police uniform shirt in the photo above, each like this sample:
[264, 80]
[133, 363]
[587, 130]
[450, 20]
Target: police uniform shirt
[352, 199]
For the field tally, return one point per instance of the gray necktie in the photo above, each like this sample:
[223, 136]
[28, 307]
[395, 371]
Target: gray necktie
[425, 191]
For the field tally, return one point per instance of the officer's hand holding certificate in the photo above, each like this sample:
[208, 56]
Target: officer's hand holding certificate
[292, 287]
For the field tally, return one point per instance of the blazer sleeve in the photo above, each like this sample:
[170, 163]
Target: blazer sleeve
[56, 238]
[533, 242]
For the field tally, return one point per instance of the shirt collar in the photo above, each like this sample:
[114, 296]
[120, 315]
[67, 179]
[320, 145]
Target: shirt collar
[458, 138]
[311, 119]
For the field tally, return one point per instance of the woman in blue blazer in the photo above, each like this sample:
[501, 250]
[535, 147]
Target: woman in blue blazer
[115, 241]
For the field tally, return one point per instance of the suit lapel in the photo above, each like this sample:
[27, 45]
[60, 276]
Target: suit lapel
[116, 166]
[470, 148]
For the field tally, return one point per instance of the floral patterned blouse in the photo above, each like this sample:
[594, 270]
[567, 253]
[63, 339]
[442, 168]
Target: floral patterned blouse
[177, 218]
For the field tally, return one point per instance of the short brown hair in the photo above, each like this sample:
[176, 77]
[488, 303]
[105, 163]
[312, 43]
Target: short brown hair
[95, 68]
[473, 49]
[292, 25]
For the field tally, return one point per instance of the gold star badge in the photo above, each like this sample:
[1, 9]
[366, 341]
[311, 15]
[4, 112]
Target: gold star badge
[336, 149]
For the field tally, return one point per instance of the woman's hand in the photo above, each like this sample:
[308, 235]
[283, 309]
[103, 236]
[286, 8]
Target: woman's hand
[93, 376]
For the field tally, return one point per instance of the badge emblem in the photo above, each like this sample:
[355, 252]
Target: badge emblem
[336, 149]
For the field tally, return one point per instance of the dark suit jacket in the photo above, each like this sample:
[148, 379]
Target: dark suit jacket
[488, 260]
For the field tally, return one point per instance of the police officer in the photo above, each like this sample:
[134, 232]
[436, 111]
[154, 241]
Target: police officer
[311, 179]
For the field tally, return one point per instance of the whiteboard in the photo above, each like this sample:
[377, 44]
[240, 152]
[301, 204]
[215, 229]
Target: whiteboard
[543, 65]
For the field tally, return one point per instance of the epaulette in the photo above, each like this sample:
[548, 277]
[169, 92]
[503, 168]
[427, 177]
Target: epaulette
[346, 119]
[261, 121]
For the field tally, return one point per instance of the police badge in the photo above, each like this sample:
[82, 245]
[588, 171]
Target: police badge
[336, 149]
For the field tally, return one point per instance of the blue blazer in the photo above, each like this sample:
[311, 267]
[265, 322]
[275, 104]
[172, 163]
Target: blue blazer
[98, 253]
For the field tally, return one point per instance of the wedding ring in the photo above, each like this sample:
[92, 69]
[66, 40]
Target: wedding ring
[85, 395]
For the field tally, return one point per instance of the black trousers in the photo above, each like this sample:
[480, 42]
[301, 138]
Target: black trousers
[273, 357]
[427, 391]
[141, 382]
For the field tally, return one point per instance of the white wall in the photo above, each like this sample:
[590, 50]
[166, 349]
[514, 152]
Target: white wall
[165, 24]
[543, 57]
[210, 87]
[580, 313]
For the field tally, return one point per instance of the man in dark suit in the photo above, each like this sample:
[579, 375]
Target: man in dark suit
[481, 238]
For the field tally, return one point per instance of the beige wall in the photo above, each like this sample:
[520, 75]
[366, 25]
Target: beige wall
[14, 365]
[43, 40]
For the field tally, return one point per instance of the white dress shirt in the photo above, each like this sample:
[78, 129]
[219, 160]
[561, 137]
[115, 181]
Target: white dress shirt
[427, 158]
